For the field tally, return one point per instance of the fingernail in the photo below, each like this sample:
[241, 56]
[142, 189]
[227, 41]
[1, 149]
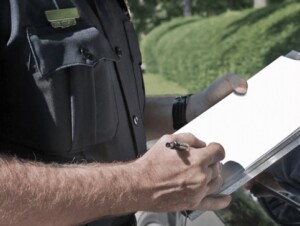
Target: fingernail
[240, 90]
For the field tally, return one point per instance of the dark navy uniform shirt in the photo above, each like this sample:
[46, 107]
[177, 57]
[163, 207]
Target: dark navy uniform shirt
[70, 94]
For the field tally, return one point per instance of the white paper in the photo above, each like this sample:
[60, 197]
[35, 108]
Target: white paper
[249, 126]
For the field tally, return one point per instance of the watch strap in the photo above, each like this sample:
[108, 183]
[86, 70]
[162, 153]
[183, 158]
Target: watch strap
[179, 111]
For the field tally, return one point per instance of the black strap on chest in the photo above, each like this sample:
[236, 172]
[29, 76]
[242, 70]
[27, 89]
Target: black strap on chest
[5, 23]
[124, 5]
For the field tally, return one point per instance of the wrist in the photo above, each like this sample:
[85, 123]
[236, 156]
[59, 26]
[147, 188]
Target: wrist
[191, 111]
[122, 186]
[143, 184]
[197, 104]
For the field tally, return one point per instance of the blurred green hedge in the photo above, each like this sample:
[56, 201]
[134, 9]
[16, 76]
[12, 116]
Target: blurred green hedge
[195, 51]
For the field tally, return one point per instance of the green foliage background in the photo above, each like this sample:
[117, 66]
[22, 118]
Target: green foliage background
[195, 51]
[244, 212]
[151, 13]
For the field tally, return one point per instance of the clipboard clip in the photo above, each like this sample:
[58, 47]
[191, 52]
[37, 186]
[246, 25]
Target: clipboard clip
[293, 55]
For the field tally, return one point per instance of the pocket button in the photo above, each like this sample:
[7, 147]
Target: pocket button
[86, 54]
[118, 51]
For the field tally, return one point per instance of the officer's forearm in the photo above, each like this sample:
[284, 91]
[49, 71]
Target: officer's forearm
[40, 194]
[158, 116]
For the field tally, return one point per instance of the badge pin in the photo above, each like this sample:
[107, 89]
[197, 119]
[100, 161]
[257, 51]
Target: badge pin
[62, 18]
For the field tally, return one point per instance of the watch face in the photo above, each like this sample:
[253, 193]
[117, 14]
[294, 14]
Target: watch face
[280, 211]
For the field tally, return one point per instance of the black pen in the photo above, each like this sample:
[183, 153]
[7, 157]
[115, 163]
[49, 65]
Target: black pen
[179, 146]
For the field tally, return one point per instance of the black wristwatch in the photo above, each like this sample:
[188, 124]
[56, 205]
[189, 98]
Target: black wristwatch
[179, 111]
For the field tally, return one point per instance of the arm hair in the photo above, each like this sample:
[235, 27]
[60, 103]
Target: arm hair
[34, 193]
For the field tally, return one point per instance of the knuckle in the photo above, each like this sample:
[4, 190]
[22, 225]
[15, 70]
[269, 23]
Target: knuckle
[216, 145]
[218, 148]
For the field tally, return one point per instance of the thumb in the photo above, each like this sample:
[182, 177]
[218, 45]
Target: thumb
[215, 92]
[224, 86]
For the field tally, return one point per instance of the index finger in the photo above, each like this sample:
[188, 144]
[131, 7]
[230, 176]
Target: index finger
[189, 139]
[225, 85]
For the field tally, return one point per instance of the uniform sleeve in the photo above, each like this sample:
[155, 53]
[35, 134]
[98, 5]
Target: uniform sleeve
[287, 171]
[4, 22]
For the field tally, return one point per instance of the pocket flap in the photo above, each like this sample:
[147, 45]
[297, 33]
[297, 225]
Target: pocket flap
[65, 48]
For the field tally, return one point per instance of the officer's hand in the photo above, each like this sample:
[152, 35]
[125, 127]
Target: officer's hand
[181, 180]
[200, 102]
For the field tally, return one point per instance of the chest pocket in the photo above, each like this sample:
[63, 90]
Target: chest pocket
[75, 72]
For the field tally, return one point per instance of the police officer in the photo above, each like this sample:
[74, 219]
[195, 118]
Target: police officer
[73, 118]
